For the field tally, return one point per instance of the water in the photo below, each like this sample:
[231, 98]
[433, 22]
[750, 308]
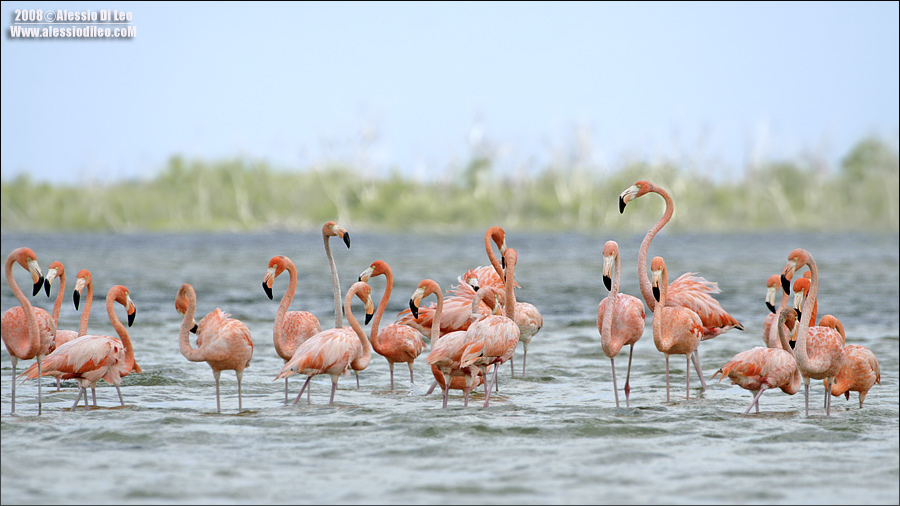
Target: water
[553, 437]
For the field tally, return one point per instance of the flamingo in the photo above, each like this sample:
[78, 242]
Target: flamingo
[770, 332]
[396, 342]
[493, 339]
[688, 290]
[222, 342]
[27, 331]
[329, 230]
[446, 350]
[620, 317]
[57, 270]
[90, 358]
[291, 327]
[333, 351]
[759, 369]
[801, 292]
[677, 330]
[819, 350]
[859, 367]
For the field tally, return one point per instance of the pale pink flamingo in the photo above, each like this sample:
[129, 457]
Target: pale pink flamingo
[859, 367]
[291, 327]
[770, 332]
[759, 369]
[27, 331]
[329, 230]
[222, 342]
[819, 350]
[620, 317]
[493, 339]
[395, 342]
[57, 270]
[333, 351]
[676, 329]
[688, 290]
[447, 349]
[90, 358]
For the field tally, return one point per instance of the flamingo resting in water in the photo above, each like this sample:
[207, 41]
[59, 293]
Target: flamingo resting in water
[27, 331]
[676, 329]
[819, 350]
[333, 351]
[620, 317]
[759, 369]
[396, 342]
[291, 328]
[222, 342]
[688, 290]
[90, 358]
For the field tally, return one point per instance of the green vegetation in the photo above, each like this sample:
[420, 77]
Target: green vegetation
[239, 195]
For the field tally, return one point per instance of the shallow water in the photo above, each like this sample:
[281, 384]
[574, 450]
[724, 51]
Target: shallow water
[554, 436]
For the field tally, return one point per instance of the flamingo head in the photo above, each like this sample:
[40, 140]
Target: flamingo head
[183, 301]
[772, 290]
[634, 191]
[425, 288]
[610, 252]
[55, 270]
[120, 294]
[332, 229]
[28, 260]
[498, 235]
[657, 268]
[364, 292]
[277, 265]
[796, 259]
[378, 268]
[801, 290]
[82, 281]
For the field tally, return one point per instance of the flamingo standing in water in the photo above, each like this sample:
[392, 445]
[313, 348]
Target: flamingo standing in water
[620, 317]
[493, 339]
[329, 230]
[222, 342]
[333, 351]
[759, 369]
[396, 342]
[688, 290]
[291, 327]
[27, 331]
[859, 368]
[819, 350]
[57, 270]
[90, 358]
[677, 330]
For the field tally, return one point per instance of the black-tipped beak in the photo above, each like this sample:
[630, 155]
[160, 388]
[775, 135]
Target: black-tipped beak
[38, 285]
[369, 317]
[194, 329]
[76, 296]
[621, 205]
[47, 287]
[793, 344]
[656, 293]
[607, 281]
[131, 317]
[503, 262]
[347, 239]
[799, 314]
[414, 308]
[786, 284]
[267, 290]
[770, 306]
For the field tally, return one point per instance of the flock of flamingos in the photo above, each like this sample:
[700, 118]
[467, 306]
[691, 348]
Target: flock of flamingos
[476, 325]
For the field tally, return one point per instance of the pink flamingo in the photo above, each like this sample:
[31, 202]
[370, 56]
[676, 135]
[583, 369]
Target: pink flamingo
[222, 342]
[493, 339]
[291, 327]
[620, 317]
[447, 349]
[770, 332]
[58, 270]
[859, 368]
[90, 358]
[819, 350]
[333, 351]
[396, 342]
[759, 369]
[27, 331]
[677, 330]
[688, 290]
[329, 230]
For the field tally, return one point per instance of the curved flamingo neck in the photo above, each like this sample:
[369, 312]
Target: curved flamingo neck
[389, 287]
[611, 301]
[803, 359]
[360, 332]
[184, 342]
[646, 291]
[86, 312]
[338, 315]
[773, 332]
[781, 324]
[34, 332]
[510, 290]
[436, 323]
[286, 299]
[490, 253]
[59, 297]
[120, 330]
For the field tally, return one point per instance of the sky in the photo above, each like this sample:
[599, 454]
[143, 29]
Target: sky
[419, 87]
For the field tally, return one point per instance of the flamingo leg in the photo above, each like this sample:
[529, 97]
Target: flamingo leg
[696, 356]
[58, 384]
[512, 367]
[80, 390]
[688, 371]
[446, 388]
[667, 377]
[806, 394]
[218, 404]
[357, 380]
[628, 376]
[93, 395]
[85, 397]
[431, 389]
[305, 383]
[487, 399]
[412, 380]
[119, 391]
[39, 383]
[827, 396]
[391, 367]
[612, 362]
[333, 388]
[239, 375]
[756, 400]
[468, 389]
[14, 361]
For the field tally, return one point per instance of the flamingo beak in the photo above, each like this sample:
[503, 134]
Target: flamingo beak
[346, 238]
[37, 286]
[607, 271]
[621, 205]
[47, 287]
[366, 274]
[267, 289]
[607, 281]
[770, 306]
[76, 296]
[131, 316]
[656, 293]
[194, 329]
[370, 310]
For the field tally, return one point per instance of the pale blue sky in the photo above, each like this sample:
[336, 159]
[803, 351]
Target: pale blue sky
[708, 84]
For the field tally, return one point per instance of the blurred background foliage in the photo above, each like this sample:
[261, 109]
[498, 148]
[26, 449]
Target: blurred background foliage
[571, 194]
